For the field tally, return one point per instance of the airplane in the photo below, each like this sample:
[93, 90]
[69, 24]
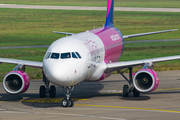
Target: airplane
[87, 56]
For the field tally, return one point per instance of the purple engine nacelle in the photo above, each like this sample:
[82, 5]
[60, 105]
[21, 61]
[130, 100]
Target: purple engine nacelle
[16, 82]
[146, 80]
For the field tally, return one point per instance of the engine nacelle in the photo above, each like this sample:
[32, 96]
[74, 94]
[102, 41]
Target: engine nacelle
[16, 82]
[146, 80]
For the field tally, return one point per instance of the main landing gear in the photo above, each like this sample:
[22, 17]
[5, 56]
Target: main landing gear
[127, 89]
[43, 90]
[68, 102]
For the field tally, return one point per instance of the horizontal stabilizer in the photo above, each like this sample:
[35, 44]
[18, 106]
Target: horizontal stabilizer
[149, 33]
[65, 33]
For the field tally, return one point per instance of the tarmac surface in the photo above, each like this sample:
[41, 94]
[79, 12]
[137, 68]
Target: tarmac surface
[101, 100]
[89, 8]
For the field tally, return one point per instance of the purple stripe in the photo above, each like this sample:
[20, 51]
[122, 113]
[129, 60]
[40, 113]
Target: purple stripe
[112, 42]
[108, 7]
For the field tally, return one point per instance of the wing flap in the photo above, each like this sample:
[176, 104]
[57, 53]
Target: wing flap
[23, 62]
[149, 33]
[121, 65]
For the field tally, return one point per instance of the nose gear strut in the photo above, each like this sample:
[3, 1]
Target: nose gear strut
[68, 102]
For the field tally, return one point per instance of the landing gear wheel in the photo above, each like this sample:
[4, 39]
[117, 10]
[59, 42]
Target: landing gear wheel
[71, 103]
[42, 91]
[125, 91]
[65, 103]
[136, 93]
[52, 91]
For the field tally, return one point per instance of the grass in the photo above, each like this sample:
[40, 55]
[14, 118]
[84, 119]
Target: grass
[35, 54]
[118, 3]
[140, 51]
[33, 27]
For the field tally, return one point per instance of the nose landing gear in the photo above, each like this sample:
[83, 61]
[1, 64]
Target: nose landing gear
[68, 102]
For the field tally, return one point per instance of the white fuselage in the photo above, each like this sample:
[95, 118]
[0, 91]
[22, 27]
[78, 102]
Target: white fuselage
[64, 67]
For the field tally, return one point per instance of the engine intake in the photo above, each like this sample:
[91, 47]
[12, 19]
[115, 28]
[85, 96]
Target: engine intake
[146, 80]
[16, 82]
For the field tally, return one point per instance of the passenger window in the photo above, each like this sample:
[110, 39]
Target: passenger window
[55, 55]
[65, 55]
[74, 55]
[78, 54]
[47, 55]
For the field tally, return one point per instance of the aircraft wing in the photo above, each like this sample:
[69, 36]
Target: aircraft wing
[120, 65]
[149, 33]
[22, 62]
[65, 33]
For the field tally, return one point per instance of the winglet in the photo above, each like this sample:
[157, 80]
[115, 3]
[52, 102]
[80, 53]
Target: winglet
[110, 14]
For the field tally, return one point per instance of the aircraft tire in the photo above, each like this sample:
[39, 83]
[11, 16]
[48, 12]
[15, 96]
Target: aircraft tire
[71, 103]
[42, 91]
[52, 91]
[125, 90]
[65, 103]
[136, 93]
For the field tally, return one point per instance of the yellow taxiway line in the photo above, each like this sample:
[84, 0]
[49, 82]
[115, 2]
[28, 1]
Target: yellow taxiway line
[167, 89]
[48, 100]
[55, 100]
[132, 108]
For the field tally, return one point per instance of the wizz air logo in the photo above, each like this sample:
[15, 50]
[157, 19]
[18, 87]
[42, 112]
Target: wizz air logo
[115, 37]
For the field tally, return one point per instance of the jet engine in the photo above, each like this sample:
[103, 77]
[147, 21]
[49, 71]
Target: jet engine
[146, 80]
[16, 82]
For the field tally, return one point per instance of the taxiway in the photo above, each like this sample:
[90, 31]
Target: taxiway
[101, 100]
[89, 8]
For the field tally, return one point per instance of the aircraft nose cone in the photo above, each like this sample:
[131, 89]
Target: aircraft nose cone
[58, 75]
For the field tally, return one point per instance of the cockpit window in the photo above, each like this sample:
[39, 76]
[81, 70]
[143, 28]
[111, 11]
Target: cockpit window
[78, 54]
[55, 55]
[47, 55]
[65, 55]
[74, 55]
